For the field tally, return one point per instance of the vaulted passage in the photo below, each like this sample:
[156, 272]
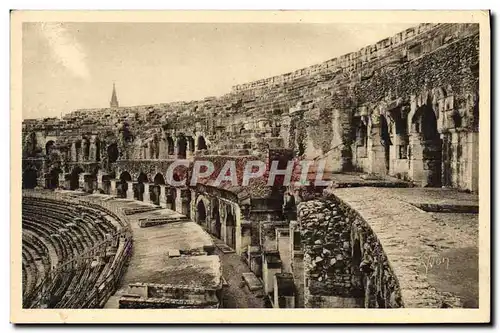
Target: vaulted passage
[201, 213]
[230, 230]
[30, 178]
[75, 178]
[139, 187]
[122, 186]
[155, 189]
[425, 126]
[201, 143]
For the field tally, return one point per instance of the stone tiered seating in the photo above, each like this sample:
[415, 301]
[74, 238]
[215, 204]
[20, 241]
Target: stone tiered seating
[73, 253]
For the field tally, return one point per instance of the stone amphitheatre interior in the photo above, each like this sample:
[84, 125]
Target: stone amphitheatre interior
[393, 225]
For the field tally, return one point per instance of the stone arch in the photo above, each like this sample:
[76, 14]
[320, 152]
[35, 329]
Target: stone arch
[74, 181]
[181, 147]
[139, 186]
[170, 145]
[201, 144]
[425, 125]
[201, 213]
[155, 189]
[30, 178]
[49, 146]
[113, 153]
[122, 186]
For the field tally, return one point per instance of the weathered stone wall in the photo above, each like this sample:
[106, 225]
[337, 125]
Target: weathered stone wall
[344, 263]
[316, 112]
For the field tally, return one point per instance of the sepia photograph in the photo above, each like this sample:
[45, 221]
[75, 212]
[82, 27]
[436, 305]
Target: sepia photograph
[181, 164]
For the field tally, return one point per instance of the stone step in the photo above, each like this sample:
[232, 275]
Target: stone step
[252, 281]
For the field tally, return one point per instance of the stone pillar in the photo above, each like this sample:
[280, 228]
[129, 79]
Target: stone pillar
[473, 157]
[189, 145]
[99, 180]
[81, 180]
[74, 153]
[246, 235]
[176, 149]
[237, 222]
[163, 148]
[130, 190]
[163, 198]
[178, 200]
[62, 179]
[416, 171]
[112, 190]
[376, 151]
[146, 197]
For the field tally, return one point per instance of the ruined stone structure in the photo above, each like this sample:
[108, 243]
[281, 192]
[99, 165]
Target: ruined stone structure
[405, 107]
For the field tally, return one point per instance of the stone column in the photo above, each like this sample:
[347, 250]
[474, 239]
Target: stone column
[74, 153]
[189, 153]
[112, 189]
[130, 190]
[62, 179]
[99, 180]
[178, 200]
[145, 196]
[81, 180]
[163, 198]
[416, 171]
[473, 165]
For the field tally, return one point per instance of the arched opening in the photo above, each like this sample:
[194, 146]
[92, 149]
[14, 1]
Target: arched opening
[181, 147]
[216, 217]
[425, 123]
[112, 153]
[74, 182]
[231, 230]
[122, 186]
[385, 141]
[155, 189]
[170, 145]
[139, 187]
[201, 143]
[48, 147]
[201, 213]
[30, 176]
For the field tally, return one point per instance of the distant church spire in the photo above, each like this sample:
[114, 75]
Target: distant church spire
[114, 100]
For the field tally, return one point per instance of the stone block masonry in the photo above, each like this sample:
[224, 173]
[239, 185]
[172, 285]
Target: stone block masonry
[344, 263]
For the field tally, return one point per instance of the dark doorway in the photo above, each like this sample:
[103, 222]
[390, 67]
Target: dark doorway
[122, 187]
[385, 140]
[231, 230]
[201, 143]
[30, 178]
[201, 213]
[74, 182]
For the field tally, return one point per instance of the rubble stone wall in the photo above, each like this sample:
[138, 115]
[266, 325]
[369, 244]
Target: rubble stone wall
[344, 263]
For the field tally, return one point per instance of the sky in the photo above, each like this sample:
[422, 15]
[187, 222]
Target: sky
[70, 66]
